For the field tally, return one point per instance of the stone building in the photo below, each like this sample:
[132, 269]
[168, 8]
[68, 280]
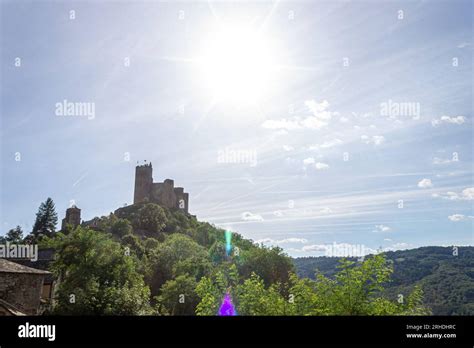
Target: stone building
[73, 217]
[20, 288]
[163, 193]
[45, 258]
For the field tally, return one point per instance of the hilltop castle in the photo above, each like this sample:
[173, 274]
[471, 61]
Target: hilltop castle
[73, 217]
[163, 193]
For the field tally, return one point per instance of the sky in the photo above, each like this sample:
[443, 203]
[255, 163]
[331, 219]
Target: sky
[307, 125]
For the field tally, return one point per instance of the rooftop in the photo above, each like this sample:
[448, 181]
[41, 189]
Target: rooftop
[12, 267]
[11, 308]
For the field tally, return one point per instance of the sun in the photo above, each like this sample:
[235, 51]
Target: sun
[236, 64]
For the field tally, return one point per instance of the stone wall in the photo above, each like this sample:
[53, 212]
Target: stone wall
[22, 290]
[143, 183]
[73, 217]
[163, 193]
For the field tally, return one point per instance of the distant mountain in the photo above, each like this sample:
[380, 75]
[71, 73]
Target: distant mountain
[447, 280]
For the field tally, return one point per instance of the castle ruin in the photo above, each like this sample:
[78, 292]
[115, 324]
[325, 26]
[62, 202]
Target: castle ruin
[163, 193]
[73, 217]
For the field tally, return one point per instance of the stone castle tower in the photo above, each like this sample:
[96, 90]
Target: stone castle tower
[163, 193]
[73, 217]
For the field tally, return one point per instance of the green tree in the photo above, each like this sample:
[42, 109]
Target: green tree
[134, 244]
[303, 297]
[151, 217]
[121, 228]
[96, 276]
[177, 255]
[46, 220]
[254, 299]
[178, 296]
[357, 289]
[271, 264]
[210, 295]
[15, 235]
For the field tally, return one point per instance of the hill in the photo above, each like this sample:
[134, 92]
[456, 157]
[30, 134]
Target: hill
[148, 259]
[446, 279]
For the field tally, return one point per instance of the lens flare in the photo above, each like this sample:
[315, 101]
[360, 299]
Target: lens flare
[228, 242]
[227, 308]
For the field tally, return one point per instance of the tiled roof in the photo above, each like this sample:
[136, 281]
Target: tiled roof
[12, 267]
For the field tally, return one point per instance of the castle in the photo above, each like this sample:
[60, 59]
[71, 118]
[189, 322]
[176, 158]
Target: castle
[73, 217]
[163, 193]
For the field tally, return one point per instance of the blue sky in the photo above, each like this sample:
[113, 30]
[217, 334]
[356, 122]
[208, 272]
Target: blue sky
[328, 163]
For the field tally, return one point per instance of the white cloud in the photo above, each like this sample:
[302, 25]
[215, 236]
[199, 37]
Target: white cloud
[319, 119]
[319, 109]
[381, 228]
[343, 119]
[321, 166]
[292, 240]
[288, 148]
[326, 144]
[387, 240]
[375, 139]
[282, 241]
[314, 247]
[313, 122]
[264, 241]
[308, 161]
[331, 143]
[464, 44]
[281, 124]
[326, 210]
[438, 161]
[448, 119]
[425, 183]
[466, 195]
[459, 217]
[248, 216]
[378, 139]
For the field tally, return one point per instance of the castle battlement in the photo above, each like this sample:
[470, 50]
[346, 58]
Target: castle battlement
[163, 193]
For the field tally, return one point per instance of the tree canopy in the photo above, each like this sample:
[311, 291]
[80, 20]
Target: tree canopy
[147, 259]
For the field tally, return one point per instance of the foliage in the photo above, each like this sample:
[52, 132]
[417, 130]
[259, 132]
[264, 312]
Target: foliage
[445, 276]
[147, 254]
[178, 296]
[177, 255]
[270, 264]
[121, 228]
[15, 236]
[46, 220]
[150, 217]
[96, 277]
[356, 290]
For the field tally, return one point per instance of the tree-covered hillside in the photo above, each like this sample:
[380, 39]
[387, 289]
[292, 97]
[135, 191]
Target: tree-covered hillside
[445, 275]
[145, 259]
